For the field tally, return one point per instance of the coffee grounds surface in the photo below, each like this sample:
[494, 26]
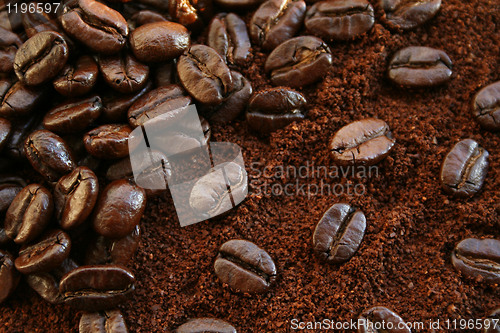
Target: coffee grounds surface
[404, 260]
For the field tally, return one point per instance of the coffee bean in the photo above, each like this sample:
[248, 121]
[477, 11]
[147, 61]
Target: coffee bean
[492, 323]
[206, 325]
[339, 233]
[18, 100]
[123, 72]
[380, 316]
[340, 20]
[143, 17]
[75, 196]
[272, 109]
[409, 14]
[115, 106]
[108, 141]
[238, 4]
[228, 35]
[102, 322]
[9, 277]
[10, 19]
[420, 66]
[119, 209]
[191, 13]
[73, 115]
[298, 62]
[245, 267]
[165, 74]
[22, 128]
[36, 21]
[161, 41]
[95, 288]
[478, 259]
[10, 186]
[205, 75]
[487, 106]
[29, 213]
[363, 142]
[48, 253]
[49, 154]
[94, 24]
[9, 44]
[464, 169]
[78, 79]
[5, 132]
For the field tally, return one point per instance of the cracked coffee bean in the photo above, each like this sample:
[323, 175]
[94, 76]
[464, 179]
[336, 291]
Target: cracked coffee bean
[102, 322]
[363, 142]
[18, 100]
[78, 79]
[409, 14]
[9, 277]
[464, 169]
[382, 317]
[73, 115]
[339, 233]
[478, 259]
[420, 66]
[9, 44]
[206, 325]
[245, 267]
[123, 72]
[487, 106]
[108, 141]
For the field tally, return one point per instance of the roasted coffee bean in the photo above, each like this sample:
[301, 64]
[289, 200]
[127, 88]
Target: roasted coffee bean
[9, 44]
[420, 66]
[75, 196]
[143, 17]
[73, 115]
[245, 267]
[102, 322]
[478, 259]
[464, 169]
[161, 41]
[191, 13]
[94, 24]
[123, 72]
[206, 325]
[238, 4]
[380, 316]
[205, 75]
[339, 233]
[48, 253]
[78, 79]
[299, 61]
[115, 106]
[10, 19]
[96, 288]
[165, 74]
[5, 132]
[49, 154]
[29, 213]
[409, 14]
[119, 209]
[157, 102]
[18, 100]
[487, 106]
[10, 186]
[363, 142]
[41, 58]
[108, 141]
[20, 131]
[9, 277]
[276, 21]
[36, 21]
[228, 35]
[103, 251]
[235, 103]
[272, 109]
[340, 20]
[492, 322]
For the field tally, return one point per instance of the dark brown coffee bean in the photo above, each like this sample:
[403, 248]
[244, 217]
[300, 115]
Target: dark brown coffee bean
[5, 132]
[492, 323]
[9, 277]
[409, 14]
[272, 109]
[10, 186]
[464, 169]
[49, 154]
[10, 19]
[228, 35]
[298, 62]
[206, 325]
[478, 259]
[9, 44]
[339, 233]
[102, 322]
[380, 319]
[75, 196]
[245, 267]
[18, 100]
[487, 106]
[238, 4]
[119, 209]
[94, 24]
[78, 79]
[35, 22]
[48, 253]
[108, 141]
[96, 288]
[420, 66]
[20, 131]
[115, 106]
[340, 20]
[205, 75]
[143, 17]
[29, 213]
[161, 41]
[276, 21]
[363, 142]
[73, 115]
[123, 72]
